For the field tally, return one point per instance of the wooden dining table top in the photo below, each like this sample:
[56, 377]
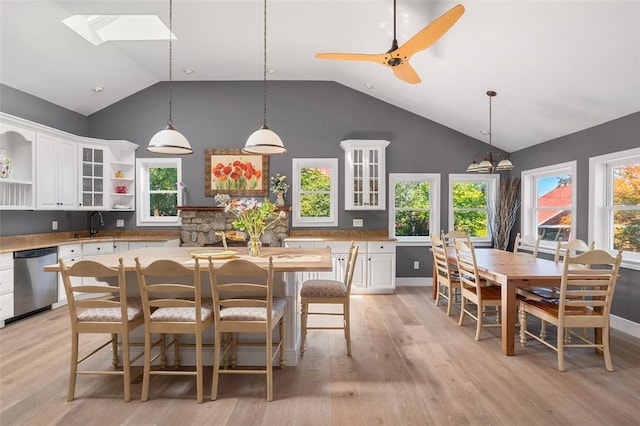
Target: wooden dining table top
[284, 259]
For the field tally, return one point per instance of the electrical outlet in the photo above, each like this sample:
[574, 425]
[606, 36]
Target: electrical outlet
[54, 225]
[119, 223]
[416, 264]
[358, 223]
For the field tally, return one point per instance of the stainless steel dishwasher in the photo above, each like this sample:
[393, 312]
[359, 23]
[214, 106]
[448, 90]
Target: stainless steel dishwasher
[34, 289]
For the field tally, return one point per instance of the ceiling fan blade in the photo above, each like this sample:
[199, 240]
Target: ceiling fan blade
[431, 33]
[352, 57]
[406, 72]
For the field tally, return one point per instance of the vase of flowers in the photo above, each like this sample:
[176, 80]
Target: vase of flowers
[279, 186]
[254, 217]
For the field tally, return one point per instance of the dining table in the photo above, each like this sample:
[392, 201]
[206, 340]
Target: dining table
[512, 271]
[287, 265]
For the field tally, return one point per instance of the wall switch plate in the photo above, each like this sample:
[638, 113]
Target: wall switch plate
[54, 225]
[416, 264]
[119, 223]
[358, 223]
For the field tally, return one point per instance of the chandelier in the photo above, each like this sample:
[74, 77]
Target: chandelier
[491, 161]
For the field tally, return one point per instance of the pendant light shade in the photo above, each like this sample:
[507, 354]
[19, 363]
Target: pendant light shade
[264, 141]
[169, 141]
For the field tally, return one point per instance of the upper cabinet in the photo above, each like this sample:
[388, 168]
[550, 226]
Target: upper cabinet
[17, 157]
[55, 170]
[365, 176]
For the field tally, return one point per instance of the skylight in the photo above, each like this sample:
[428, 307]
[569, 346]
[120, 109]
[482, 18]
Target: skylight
[98, 29]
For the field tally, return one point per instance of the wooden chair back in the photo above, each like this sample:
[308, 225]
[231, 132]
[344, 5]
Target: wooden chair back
[442, 266]
[467, 265]
[572, 247]
[350, 266]
[449, 237]
[527, 244]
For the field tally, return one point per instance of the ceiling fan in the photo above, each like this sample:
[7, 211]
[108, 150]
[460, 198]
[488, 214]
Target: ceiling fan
[397, 58]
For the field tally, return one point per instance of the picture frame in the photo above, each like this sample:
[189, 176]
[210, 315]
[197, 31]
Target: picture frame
[236, 173]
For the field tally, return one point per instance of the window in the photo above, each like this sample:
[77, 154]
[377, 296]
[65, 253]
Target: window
[315, 192]
[414, 200]
[614, 204]
[548, 203]
[159, 191]
[469, 198]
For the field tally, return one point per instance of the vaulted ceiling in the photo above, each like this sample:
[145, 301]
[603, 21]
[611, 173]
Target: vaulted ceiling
[558, 66]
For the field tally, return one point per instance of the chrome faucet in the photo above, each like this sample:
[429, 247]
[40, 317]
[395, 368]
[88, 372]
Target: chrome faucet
[93, 231]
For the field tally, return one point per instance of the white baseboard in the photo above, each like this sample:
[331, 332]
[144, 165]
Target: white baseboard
[413, 281]
[626, 326]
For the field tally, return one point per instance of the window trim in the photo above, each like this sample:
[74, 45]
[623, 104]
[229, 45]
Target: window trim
[142, 191]
[492, 181]
[600, 189]
[296, 165]
[434, 206]
[528, 225]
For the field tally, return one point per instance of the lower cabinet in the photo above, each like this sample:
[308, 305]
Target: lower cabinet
[6, 286]
[68, 253]
[375, 268]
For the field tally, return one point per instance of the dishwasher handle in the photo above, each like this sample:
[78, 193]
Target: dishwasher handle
[27, 254]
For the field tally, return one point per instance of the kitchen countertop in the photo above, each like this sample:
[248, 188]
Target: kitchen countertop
[340, 235]
[49, 239]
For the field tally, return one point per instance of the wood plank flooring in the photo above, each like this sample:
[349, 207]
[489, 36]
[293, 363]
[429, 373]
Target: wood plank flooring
[411, 365]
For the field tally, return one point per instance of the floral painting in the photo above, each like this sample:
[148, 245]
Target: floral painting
[231, 171]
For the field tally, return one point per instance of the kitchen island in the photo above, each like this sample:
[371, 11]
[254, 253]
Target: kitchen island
[287, 262]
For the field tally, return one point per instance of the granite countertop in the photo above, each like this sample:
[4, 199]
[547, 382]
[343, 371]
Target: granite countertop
[340, 235]
[49, 239]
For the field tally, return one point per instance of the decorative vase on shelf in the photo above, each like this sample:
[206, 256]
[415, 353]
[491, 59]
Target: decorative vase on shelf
[280, 199]
[254, 245]
[5, 165]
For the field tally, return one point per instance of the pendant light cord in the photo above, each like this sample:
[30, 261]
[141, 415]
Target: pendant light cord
[264, 70]
[170, 121]
[394, 19]
[490, 130]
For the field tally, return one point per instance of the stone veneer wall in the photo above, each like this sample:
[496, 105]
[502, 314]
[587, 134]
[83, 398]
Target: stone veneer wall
[199, 227]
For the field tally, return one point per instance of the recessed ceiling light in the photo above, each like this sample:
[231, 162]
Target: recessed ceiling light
[368, 85]
[100, 28]
[188, 71]
[484, 132]
[271, 71]
[98, 89]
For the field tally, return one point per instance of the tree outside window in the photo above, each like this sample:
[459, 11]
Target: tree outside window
[414, 200]
[626, 207]
[314, 192]
[159, 191]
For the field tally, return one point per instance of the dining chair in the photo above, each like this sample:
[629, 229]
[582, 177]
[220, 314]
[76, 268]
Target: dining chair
[449, 237]
[90, 313]
[329, 292]
[586, 292]
[571, 247]
[172, 304]
[446, 280]
[244, 303]
[473, 289]
[528, 244]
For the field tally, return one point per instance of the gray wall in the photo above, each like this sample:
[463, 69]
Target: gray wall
[616, 135]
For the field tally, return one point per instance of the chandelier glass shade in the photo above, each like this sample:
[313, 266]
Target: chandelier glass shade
[491, 161]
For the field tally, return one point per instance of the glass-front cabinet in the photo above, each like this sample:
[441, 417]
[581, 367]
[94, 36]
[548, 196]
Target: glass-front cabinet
[365, 176]
[93, 177]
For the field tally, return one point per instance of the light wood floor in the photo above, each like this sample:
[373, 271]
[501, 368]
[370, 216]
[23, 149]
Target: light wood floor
[411, 365]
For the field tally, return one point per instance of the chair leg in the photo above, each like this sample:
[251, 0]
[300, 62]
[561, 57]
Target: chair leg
[479, 324]
[523, 326]
[126, 366]
[269, 351]
[347, 326]
[73, 367]
[303, 329]
[605, 348]
[560, 348]
[438, 290]
[147, 366]
[114, 350]
[283, 340]
[234, 347]
[216, 366]
[176, 351]
[461, 320]
[199, 384]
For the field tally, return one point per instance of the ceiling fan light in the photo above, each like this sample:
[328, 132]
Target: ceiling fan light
[169, 141]
[264, 141]
[505, 164]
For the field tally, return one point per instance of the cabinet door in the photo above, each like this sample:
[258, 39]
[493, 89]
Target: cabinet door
[381, 272]
[364, 174]
[56, 176]
[92, 169]
[68, 175]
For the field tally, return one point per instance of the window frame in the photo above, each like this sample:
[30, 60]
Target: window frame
[142, 191]
[491, 180]
[434, 206]
[296, 165]
[528, 197]
[601, 201]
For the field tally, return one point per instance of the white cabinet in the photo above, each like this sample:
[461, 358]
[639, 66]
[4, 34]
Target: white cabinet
[16, 180]
[381, 267]
[365, 176]
[147, 244]
[122, 173]
[56, 173]
[69, 253]
[6, 287]
[92, 169]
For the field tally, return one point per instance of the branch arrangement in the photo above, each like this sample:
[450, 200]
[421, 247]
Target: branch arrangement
[502, 213]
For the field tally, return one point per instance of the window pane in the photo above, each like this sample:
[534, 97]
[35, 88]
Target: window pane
[315, 205]
[163, 179]
[554, 225]
[315, 179]
[470, 195]
[626, 230]
[472, 222]
[163, 204]
[412, 195]
[412, 223]
[626, 185]
[554, 191]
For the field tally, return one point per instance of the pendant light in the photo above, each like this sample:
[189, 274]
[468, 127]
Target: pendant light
[488, 164]
[264, 141]
[169, 141]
